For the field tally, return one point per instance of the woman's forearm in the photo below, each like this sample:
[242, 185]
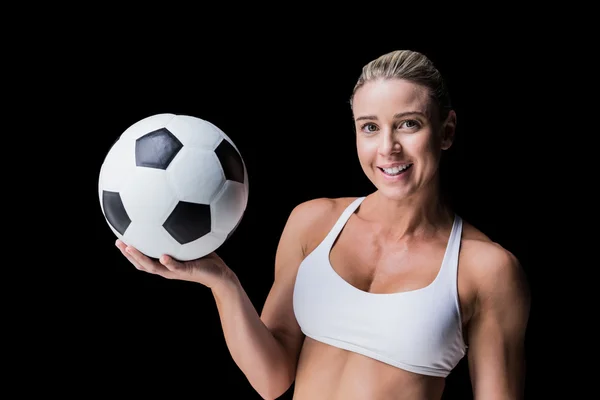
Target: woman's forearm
[261, 357]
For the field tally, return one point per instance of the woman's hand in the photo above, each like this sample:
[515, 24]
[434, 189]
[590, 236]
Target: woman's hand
[209, 270]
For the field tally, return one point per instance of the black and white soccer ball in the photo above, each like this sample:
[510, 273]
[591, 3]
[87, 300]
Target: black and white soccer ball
[173, 184]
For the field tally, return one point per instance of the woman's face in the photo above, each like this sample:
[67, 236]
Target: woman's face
[398, 137]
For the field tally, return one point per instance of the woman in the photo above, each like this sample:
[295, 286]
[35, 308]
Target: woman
[381, 296]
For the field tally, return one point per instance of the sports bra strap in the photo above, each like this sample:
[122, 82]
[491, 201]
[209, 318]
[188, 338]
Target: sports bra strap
[341, 222]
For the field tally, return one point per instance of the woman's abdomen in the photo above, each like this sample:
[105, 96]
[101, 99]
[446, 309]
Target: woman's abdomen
[326, 372]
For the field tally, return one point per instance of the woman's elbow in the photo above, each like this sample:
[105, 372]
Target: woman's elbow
[276, 385]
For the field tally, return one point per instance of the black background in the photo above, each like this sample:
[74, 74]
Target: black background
[285, 106]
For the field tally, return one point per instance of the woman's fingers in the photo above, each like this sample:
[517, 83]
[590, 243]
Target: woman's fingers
[122, 246]
[171, 264]
[142, 262]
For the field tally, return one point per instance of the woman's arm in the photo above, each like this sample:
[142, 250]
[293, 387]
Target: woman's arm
[496, 332]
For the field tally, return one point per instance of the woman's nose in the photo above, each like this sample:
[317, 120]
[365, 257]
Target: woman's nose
[389, 144]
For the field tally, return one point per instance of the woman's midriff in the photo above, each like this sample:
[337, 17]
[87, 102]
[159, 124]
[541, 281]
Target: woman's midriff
[329, 373]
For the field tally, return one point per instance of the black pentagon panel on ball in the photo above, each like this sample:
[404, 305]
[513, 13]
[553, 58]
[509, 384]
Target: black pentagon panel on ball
[188, 222]
[115, 211]
[231, 161]
[156, 149]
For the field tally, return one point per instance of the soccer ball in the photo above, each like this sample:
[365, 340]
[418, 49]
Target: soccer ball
[173, 184]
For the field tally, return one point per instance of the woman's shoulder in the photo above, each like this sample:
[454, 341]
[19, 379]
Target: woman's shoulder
[486, 261]
[322, 207]
[312, 219]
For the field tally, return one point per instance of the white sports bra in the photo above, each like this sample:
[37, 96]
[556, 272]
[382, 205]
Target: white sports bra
[418, 330]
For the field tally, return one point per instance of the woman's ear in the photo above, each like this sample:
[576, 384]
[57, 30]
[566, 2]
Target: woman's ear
[448, 130]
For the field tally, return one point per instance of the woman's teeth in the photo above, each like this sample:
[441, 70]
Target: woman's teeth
[396, 170]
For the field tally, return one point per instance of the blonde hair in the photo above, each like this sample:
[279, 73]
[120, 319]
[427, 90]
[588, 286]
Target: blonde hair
[412, 66]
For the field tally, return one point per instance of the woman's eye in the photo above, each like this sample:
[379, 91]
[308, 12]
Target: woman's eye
[411, 123]
[369, 127]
